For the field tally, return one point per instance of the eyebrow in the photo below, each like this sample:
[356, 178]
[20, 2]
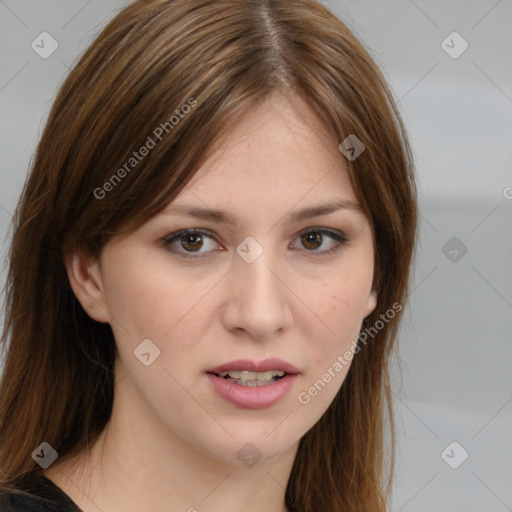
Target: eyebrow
[220, 216]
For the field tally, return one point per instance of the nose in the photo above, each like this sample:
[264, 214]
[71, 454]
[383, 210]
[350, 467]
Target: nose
[258, 298]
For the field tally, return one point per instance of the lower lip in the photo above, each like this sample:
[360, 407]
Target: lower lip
[258, 397]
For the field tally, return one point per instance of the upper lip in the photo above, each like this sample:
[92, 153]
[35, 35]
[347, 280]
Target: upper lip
[254, 366]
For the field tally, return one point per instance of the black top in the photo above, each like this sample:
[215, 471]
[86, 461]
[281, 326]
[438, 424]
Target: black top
[42, 488]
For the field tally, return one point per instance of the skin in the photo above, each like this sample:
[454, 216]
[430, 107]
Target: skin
[172, 442]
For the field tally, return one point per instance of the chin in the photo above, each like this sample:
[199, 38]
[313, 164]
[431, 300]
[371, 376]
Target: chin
[249, 444]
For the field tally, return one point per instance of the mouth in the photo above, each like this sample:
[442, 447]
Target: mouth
[252, 379]
[254, 373]
[253, 385]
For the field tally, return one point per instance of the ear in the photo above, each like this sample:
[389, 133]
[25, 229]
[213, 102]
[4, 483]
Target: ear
[371, 302]
[85, 278]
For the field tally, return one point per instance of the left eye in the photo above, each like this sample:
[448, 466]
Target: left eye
[313, 239]
[192, 241]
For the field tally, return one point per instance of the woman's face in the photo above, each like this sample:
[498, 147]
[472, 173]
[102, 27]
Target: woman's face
[275, 282]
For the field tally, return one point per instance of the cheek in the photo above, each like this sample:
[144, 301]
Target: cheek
[339, 305]
[151, 299]
[341, 301]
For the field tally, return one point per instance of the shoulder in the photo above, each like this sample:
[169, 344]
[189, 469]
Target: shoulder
[42, 496]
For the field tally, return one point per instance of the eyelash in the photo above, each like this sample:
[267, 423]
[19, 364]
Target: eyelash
[339, 237]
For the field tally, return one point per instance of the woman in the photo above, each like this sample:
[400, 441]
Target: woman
[209, 263]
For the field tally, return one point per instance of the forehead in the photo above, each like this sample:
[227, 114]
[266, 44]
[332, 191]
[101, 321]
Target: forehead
[279, 151]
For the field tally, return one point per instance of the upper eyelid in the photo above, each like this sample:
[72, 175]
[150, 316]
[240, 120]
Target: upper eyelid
[191, 231]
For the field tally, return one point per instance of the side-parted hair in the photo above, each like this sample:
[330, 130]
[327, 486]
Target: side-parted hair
[221, 59]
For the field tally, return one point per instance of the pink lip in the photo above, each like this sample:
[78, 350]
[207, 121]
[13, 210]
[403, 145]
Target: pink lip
[253, 397]
[254, 366]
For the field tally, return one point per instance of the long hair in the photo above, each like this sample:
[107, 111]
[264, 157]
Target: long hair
[221, 59]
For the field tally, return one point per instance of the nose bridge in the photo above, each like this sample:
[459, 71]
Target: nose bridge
[258, 299]
[259, 283]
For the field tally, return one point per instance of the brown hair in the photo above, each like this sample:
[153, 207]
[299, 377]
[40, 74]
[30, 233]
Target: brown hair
[227, 56]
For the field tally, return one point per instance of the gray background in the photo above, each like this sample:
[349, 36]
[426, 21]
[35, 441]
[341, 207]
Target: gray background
[456, 383]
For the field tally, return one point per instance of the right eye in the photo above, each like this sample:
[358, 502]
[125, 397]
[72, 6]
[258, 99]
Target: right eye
[187, 242]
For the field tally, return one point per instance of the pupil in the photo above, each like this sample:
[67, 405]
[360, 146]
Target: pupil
[194, 240]
[313, 238]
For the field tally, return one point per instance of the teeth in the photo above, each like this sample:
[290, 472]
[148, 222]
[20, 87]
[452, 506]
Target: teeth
[253, 376]
[253, 383]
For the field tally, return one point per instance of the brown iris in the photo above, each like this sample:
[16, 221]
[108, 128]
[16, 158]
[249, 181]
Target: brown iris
[312, 238]
[194, 241]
